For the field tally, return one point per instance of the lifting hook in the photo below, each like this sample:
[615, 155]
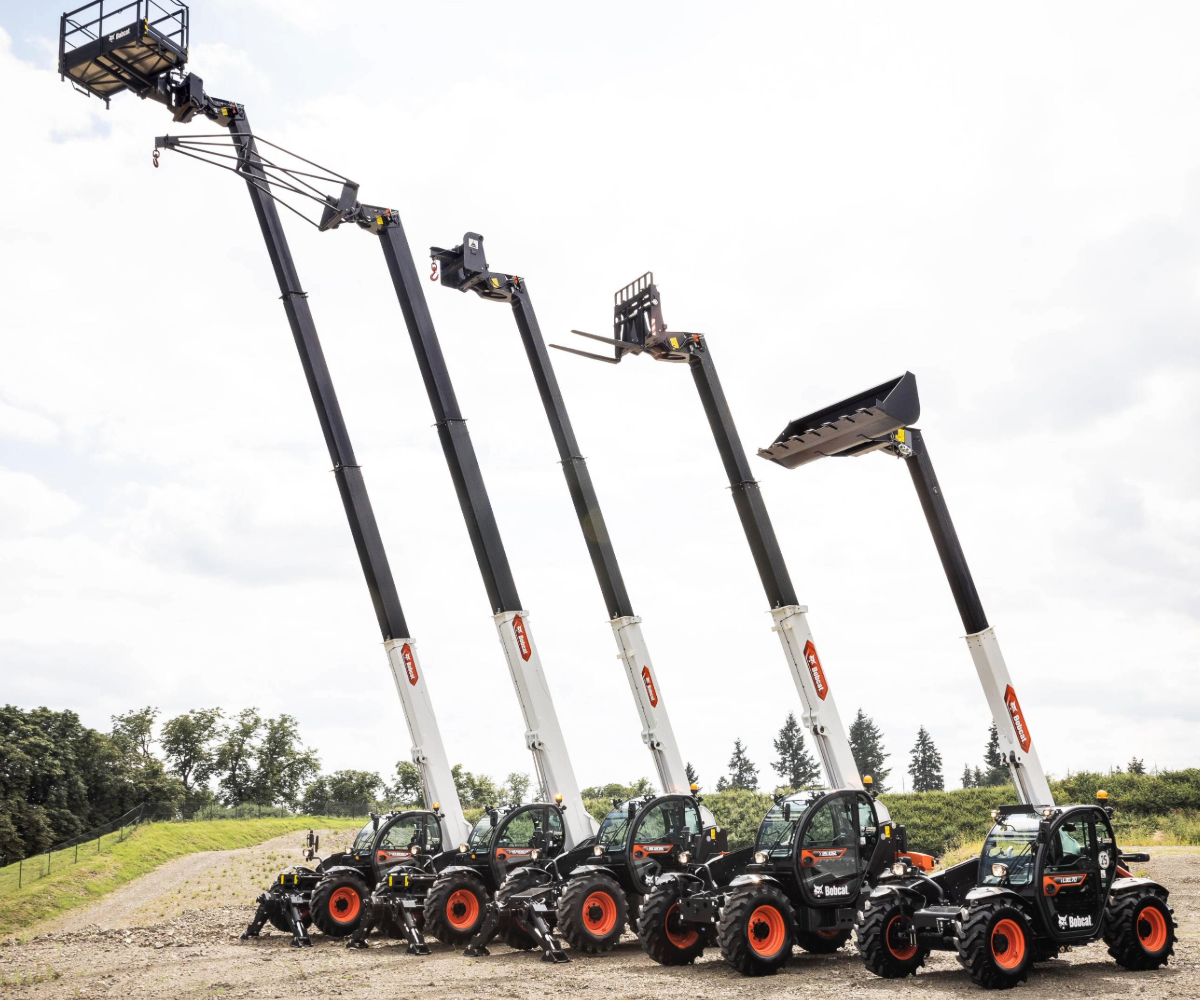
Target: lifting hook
[156, 158]
[433, 271]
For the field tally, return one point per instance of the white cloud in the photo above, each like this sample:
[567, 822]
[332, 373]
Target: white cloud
[831, 198]
[27, 505]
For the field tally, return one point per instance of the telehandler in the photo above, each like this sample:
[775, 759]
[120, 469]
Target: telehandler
[1049, 877]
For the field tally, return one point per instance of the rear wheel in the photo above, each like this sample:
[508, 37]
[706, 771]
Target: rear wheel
[996, 945]
[822, 942]
[664, 935]
[336, 904]
[591, 913]
[756, 931]
[882, 934]
[1139, 929]
[454, 908]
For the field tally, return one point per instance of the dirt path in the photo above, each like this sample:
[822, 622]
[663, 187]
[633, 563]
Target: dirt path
[192, 950]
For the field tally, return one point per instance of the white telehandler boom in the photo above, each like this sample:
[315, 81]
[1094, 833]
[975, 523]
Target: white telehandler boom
[879, 420]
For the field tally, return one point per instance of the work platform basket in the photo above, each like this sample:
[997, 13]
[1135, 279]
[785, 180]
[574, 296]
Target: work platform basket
[107, 47]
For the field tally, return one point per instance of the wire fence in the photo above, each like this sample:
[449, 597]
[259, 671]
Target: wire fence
[104, 838]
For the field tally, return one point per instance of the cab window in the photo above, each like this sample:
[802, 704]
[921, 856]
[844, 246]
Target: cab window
[481, 834]
[521, 830]
[867, 822]
[674, 821]
[1012, 842]
[401, 835]
[362, 842]
[1071, 846]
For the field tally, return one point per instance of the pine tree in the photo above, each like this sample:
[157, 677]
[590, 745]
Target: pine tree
[926, 766]
[968, 779]
[795, 764]
[692, 777]
[866, 744]
[742, 772]
[995, 773]
[1137, 765]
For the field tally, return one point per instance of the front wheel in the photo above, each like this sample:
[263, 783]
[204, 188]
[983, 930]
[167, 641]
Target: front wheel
[592, 912]
[454, 908]
[1139, 929]
[664, 935]
[513, 929]
[756, 931]
[337, 904]
[996, 945]
[883, 933]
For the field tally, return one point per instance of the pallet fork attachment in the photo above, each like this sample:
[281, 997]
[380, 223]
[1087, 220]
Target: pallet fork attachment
[880, 419]
[638, 327]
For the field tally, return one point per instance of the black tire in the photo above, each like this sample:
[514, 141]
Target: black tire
[633, 909]
[1139, 929]
[996, 945]
[454, 908]
[883, 953]
[336, 905]
[664, 937]
[592, 912]
[822, 942]
[512, 930]
[756, 930]
[277, 920]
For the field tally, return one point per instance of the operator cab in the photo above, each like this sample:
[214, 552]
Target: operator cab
[503, 840]
[1065, 860]
[656, 835]
[823, 843]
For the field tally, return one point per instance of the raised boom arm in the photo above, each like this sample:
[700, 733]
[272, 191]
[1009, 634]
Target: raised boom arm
[465, 268]
[878, 420]
[639, 328]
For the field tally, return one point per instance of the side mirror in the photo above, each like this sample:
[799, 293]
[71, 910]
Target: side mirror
[1043, 832]
[787, 812]
[632, 809]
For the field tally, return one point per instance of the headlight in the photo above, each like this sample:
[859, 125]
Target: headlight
[760, 857]
[597, 850]
[684, 858]
[462, 848]
[535, 854]
[999, 870]
[899, 868]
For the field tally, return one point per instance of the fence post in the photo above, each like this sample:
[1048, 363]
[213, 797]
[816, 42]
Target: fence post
[98, 842]
[20, 871]
[47, 862]
[76, 854]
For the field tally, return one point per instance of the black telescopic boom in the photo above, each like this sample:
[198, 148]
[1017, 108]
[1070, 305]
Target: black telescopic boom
[579, 481]
[451, 427]
[746, 495]
[345, 467]
[937, 515]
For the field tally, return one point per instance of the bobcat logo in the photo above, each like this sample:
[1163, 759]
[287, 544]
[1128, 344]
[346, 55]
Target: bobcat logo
[814, 669]
[651, 690]
[830, 890]
[1067, 922]
[1018, 718]
[410, 664]
[522, 635]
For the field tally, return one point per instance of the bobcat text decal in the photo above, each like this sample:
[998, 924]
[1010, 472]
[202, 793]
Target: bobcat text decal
[641, 850]
[1067, 922]
[384, 856]
[814, 668]
[410, 664]
[522, 637]
[650, 689]
[1018, 718]
[831, 890]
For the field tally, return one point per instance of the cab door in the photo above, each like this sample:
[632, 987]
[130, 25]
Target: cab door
[518, 835]
[1071, 888]
[830, 856]
[666, 828]
[399, 843]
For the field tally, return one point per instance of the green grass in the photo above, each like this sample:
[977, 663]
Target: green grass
[142, 850]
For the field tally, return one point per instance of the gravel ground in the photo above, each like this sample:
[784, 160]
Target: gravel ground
[196, 908]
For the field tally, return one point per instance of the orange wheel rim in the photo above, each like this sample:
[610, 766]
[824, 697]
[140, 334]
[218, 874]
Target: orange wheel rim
[462, 909]
[600, 913]
[766, 931]
[344, 905]
[1152, 928]
[896, 926]
[828, 934]
[1008, 944]
[684, 936]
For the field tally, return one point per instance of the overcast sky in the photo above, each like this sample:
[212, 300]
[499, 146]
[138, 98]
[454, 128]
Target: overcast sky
[1002, 200]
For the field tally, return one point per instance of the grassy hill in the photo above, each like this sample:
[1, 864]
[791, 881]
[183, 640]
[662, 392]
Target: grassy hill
[141, 851]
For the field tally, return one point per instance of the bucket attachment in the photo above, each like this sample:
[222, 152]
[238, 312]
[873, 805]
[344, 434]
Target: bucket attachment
[129, 46]
[637, 326]
[855, 426]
